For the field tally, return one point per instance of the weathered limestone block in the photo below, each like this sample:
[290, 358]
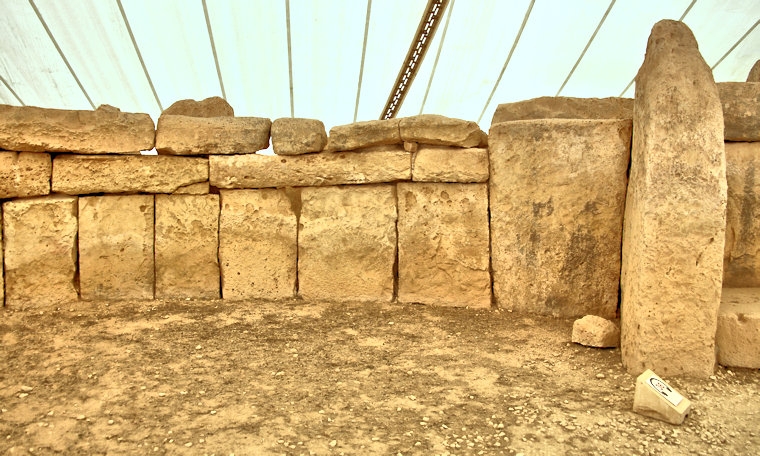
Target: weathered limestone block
[741, 256]
[441, 131]
[187, 244]
[359, 135]
[741, 110]
[40, 237]
[185, 135]
[103, 131]
[675, 220]
[2, 272]
[201, 188]
[443, 245]
[738, 334]
[450, 164]
[210, 107]
[262, 171]
[116, 247]
[257, 244]
[565, 108]
[347, 243]
[298, 136]
[557, 193]
[594, 331]
[82, 174]
[24, 174]
[754, 73]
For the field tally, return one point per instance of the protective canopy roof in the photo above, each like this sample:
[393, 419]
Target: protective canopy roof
[338, 60]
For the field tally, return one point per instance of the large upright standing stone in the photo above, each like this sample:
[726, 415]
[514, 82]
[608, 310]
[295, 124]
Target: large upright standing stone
[675, 214]
[116, 247]
[40, 237]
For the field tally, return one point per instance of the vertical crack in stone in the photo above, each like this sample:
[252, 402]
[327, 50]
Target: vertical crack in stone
[394, 298]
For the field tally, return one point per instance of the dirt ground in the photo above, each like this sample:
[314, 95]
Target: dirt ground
[249, 378]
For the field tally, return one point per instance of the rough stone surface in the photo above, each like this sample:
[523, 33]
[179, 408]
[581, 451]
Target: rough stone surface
[262, 171]
[210, 107]
[595, 331]
[557, 194]
[103, 131]
[347, 243]
[257, 244]
[185, 135]
[656, 399]
[40, 241]
[738, 334]
[441, 131]
[450, 164]
[187, 241]
[741, 110]
[443, 245]
[298, 136]
[82, 174]
[359, 135]
[116, 247]
[754, 73]
[201, 188]
[24, 174]
[741, 255]
[675, 222]
[2, 270]
[565, 108]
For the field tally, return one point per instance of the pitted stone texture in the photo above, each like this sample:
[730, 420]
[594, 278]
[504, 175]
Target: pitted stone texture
[83, 174]
[116, 247]
[201, 188]
[257, 244]
[738, 334]
[24, 174]
[595, 331]
[347, 243]
[2, 272]
[185, 135]
[359, 135]
[262, 171]
[557, 193]
[210, 107]
[450, 164]
[674, 232]
[754, 73]
[741, 255]
[40, 237]
[298, 136]
[441, 131]
[565, 108]
[741, 110]
[443, 256]
[187, 240]
[103, 131]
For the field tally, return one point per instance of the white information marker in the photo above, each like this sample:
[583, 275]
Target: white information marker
[656, 399]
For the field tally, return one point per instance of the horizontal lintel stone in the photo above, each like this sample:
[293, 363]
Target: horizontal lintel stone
[564, 108]
[359, 135]
[450, 164]
[185, 135]
[441, 131]
[264, 171]
[83, 174]
[105, 130]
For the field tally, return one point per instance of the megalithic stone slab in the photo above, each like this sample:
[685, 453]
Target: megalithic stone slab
[443, 244]
[738, 334]
[298, 136]
[185, 135]
[450, 164]
[741, 110]
[257, 244]
[263, 171]
[656, 399]
[441, 131]
[116, 247]
[564, 108]
[741, 255]
[209, 107]
[359, 135]
[103, 131]
[347, 243]
[557, 194]
[40, 241]
[24, 174]
[675, 215]
[83, 174]
[187, 245]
